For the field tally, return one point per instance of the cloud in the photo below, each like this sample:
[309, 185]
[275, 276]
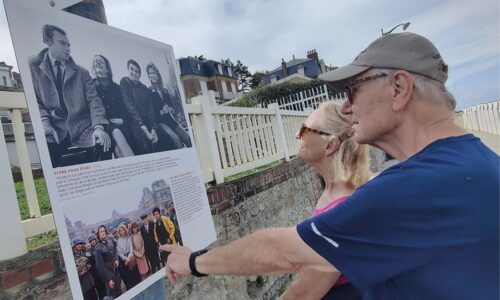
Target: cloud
[262, 32]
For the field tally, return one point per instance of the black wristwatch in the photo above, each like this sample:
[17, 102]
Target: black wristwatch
[192, 265]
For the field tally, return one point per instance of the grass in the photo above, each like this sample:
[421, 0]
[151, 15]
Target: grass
[41, 240]
[43, 198]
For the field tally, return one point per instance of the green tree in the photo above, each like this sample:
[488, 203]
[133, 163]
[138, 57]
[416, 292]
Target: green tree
[198, 57]
[255, 82]
[264, 95]
[241, 72]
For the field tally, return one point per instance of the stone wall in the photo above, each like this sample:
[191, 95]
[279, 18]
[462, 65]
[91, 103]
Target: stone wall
[38, 275]
[281, 196]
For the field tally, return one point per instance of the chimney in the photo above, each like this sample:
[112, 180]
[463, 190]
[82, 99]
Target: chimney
[283, 68]
[312, 54]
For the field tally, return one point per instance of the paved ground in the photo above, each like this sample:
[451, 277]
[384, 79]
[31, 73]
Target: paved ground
[490, 140]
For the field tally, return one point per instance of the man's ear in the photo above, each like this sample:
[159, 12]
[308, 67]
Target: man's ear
[332, 146]
[401, 89]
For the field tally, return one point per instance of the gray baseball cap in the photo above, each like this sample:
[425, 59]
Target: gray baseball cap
[403, 51]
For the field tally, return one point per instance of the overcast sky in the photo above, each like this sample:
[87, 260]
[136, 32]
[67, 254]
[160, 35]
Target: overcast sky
[262, 32]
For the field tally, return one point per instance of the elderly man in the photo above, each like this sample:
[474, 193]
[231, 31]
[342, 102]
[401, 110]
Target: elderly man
[426, 228]
[72, 113]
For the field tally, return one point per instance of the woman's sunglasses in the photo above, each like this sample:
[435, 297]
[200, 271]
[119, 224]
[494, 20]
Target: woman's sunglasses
[304, 128]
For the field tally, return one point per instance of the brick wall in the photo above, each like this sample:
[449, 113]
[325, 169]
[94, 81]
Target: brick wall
[37, 275]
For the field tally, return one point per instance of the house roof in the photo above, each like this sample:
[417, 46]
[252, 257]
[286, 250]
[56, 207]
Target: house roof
[207, 68]
[292, 63]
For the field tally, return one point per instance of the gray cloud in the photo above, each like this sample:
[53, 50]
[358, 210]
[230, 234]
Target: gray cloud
[262, 32]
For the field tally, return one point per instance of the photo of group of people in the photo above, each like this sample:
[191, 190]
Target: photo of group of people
[114, 255]
[88, 117]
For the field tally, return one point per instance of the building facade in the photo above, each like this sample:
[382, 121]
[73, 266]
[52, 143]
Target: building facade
[200, 76]
[7, 81]
[297, 69]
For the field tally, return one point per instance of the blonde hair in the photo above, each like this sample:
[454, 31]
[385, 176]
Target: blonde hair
[124, 227]
[351, 162]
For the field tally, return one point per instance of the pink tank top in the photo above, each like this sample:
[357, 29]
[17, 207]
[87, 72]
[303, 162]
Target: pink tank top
[317, 211]
[332, 204]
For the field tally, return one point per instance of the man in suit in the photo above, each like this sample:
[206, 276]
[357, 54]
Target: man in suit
[150, 246]
[72, 113]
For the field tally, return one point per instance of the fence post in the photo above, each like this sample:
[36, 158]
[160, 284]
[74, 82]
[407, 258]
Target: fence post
[207, 132]
[13, 233]
[24, 163]
[280, 132]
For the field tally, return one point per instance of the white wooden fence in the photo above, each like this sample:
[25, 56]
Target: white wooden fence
[229, 140]
[306, 100]
[483, 117]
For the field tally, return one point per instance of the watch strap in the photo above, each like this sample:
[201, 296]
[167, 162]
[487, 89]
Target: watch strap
[192, 265]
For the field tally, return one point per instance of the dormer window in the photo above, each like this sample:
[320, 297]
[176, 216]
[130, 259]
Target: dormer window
[219, 68]
[199, 67]
[230, 72]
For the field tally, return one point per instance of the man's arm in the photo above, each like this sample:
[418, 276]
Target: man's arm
[171, 230]
[96, 108]
[276, 250]
[129, 102]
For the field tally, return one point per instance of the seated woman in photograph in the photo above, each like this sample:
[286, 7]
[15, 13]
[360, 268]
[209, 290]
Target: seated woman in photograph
[111, 97]
[139, 250]
[107, 263]
[344, 166]
[164, 109]
[125, 253]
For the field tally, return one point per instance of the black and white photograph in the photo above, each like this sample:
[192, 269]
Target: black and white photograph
[117, 247]
[97, 106]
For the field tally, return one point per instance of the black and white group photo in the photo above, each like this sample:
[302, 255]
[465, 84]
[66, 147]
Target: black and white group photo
[88, 115]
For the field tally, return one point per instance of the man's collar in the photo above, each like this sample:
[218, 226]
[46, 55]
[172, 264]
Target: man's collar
[53, 61]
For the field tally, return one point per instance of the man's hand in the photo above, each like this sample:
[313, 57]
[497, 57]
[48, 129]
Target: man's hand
[154, 136]
[167, 110]
[177, 261]
[116, 121]
[101, 137]
[50, 131]
[111, 284]
[117, 264]
[147, 133]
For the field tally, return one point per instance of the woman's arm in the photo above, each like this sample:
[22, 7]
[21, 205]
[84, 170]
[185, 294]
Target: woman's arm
[311, 284]
[119, 249]
[131, 247]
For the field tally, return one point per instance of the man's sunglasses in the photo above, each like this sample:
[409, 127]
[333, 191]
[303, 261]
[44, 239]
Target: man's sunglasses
[350, 90]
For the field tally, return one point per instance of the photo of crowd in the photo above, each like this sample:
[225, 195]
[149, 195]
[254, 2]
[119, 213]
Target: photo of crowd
[89, 117]
[114, 255]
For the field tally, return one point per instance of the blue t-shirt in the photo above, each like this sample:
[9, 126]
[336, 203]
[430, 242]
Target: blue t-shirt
[427, 228]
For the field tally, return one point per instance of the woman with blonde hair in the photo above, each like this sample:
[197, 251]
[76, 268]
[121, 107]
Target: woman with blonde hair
[139, 250]
[128, 264]
[325, 145]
